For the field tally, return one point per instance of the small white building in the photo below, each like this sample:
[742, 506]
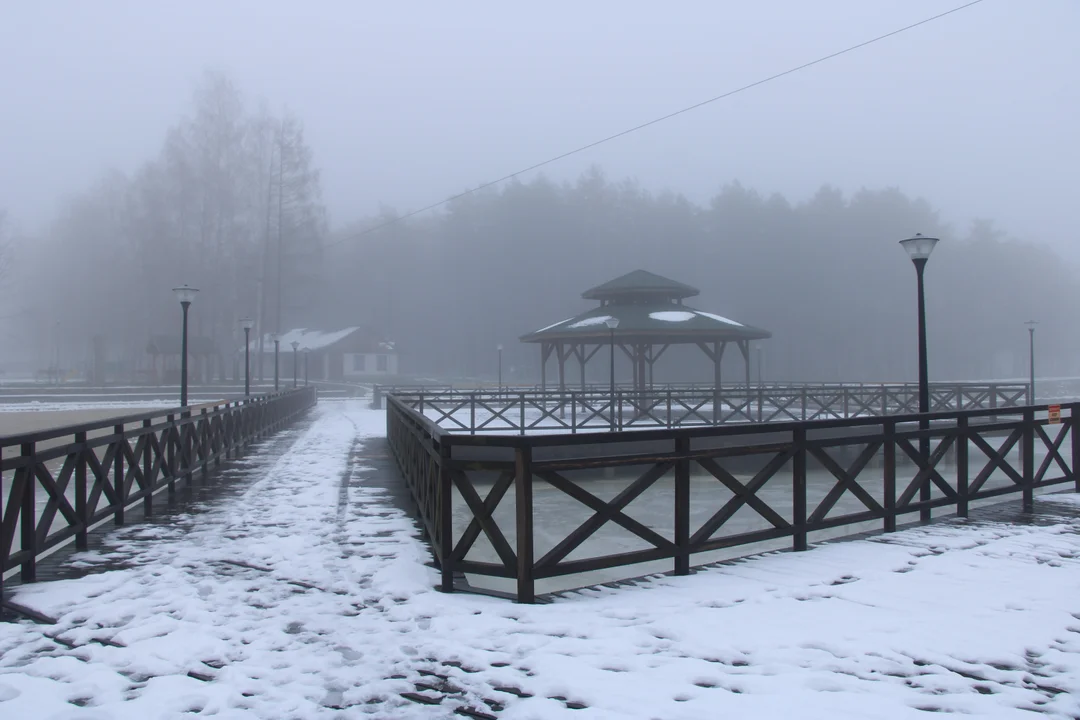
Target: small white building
[352, 353]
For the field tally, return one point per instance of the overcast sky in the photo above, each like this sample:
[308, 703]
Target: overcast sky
[406, 103]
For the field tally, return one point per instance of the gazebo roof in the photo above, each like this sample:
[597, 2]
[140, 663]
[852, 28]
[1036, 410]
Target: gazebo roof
[640, 284]
[660, 322]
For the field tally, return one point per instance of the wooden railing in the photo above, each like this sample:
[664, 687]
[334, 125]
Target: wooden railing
[529, 411]
[88, 473]
[889, 468]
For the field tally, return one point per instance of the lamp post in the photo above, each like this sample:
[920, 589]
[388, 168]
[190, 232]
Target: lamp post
[277, 346]
[186, 295]
[295, 357]
[499, 347]
[918, 249]
[247, 323]
[1031, 360]
[307, 354]
[612, 323]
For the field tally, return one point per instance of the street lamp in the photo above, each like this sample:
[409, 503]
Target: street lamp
[186, 295]
[918, 249]
[307, 354]
[277, 346]
[1031, 359]
[499, 347]
[247, 323]
[295, 346]
[612, 323]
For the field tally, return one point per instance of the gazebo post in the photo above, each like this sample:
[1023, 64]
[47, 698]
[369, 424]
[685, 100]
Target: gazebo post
[560, 351]
[545, 353]
[744, 348]
[581, 359]
[718, 356]
[642, 386]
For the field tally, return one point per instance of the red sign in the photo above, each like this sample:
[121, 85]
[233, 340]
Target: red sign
[1053, 414]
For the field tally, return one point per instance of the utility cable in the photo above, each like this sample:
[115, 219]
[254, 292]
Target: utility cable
[654, 121]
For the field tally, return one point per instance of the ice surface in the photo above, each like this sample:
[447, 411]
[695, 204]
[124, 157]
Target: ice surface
[974, 618]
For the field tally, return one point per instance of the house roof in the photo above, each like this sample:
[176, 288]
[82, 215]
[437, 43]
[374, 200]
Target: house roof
[640, 283]
[657, 322]
[313, 339]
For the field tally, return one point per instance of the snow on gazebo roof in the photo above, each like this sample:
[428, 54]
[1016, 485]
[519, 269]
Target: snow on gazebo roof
[649, 308]
[664, 322]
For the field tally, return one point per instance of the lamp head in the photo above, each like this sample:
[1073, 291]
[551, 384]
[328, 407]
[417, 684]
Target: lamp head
[185, 294]
[919, 247]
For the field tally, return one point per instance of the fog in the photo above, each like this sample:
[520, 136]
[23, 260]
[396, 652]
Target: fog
[145, 145]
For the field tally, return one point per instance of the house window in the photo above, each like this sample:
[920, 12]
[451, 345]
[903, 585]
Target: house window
[381, 363]
[359, 363]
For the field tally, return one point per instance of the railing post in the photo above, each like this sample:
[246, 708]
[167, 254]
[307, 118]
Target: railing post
[959, 397]
[526, 590]
[118, 476]
[619, 403]
[760, 403]
[1074, 429]
[1029, 460]
[148, 482]
[446, 520]
[803, 418]
[889, 474]
[472, 413]
[521, 398]
[80, 492]
[185, 441]
[962, 429]
[847, 413]
[682, 506]
[28, 518]
[798, 487]
[170, 454]
[573, 412]
[669, 421]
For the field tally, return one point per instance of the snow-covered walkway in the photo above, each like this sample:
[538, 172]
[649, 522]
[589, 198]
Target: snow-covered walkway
[308, 596]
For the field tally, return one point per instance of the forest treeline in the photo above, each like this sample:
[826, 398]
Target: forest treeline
[232, 205]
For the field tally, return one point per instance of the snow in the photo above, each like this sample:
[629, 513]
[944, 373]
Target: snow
[133, 405]
[332, 604]
[543, 329]
[308, 339]
[588, 322]
[672, 315]
[718, 318]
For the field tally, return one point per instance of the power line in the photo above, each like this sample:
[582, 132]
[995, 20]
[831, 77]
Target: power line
[655, 121]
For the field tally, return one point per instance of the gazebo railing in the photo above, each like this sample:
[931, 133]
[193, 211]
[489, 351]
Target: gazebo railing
[525, 411]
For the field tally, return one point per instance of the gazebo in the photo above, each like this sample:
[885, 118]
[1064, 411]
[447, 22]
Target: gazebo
[649, 316]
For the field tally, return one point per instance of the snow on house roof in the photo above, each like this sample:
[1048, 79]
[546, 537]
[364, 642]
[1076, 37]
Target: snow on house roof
[308, 339]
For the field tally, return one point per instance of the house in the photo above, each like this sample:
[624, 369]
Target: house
[350, 354]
